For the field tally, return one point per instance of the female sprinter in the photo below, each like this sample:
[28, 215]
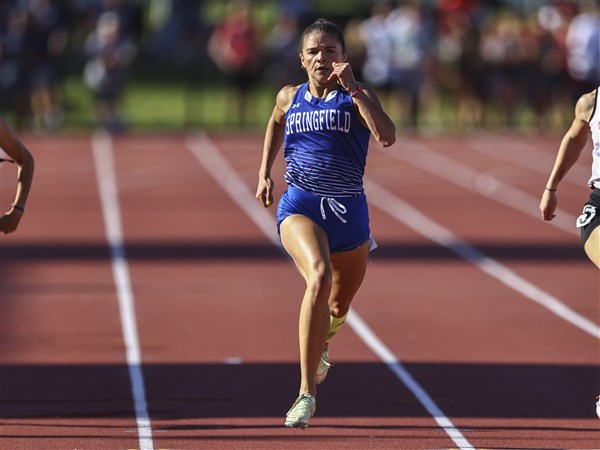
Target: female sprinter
[323, 222]
[587, 119]
[18, 153]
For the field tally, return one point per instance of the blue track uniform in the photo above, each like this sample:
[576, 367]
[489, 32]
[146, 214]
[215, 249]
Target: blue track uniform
[325, 149]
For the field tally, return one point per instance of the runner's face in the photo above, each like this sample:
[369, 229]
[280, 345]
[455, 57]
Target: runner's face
[319, 51]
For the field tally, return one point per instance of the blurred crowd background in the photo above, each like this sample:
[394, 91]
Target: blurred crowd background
[438, 65]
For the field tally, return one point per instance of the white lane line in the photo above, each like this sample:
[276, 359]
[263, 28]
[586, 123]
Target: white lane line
[440, 165]
[380, 349]
[524, 155]
[209, 156]
[205, 151]
[107, 187]
[411, 217]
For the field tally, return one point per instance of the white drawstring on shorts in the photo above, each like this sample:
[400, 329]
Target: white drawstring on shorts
[336, 207]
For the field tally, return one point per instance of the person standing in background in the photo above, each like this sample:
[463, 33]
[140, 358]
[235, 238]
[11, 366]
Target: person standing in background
[106, 72]
[377, 42]
[582, 44]
[234, 47]
[411, 32]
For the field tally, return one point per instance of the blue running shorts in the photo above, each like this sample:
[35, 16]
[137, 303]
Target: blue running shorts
[344, 219]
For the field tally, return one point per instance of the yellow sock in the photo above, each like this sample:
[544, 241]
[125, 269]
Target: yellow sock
[335, 323]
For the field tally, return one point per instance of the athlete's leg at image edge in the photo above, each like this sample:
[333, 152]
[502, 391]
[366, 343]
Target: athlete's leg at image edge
[592, 246]
[592, 249]
[591, 241]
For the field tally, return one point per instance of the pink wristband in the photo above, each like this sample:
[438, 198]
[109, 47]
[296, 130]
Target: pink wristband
[354, 89]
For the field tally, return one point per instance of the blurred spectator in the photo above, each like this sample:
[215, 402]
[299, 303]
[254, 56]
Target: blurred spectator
[234, 47]
[32, 41]
[281, 47]
[377, 41]
[13, 71]
[412, 35]
[459, 69]
[105, 73]
[355, 48]
[129, 12]
[502, 52]
[48, 40]
[543, 34]
[472, 93]
[583, 49]
[177, 33]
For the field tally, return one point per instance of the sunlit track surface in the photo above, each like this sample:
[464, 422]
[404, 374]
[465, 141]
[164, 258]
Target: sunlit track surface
[216, 304]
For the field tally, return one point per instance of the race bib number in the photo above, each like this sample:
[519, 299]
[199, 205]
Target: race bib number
[589, 212]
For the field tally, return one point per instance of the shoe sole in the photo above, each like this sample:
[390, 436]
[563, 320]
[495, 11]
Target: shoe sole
[300, 425]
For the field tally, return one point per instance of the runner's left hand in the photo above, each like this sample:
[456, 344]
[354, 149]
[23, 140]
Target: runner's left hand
[343, 72]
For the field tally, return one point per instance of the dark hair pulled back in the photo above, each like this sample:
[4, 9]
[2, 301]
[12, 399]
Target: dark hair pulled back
[326, 27]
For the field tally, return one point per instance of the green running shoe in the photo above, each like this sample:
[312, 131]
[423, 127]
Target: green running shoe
[301, 411]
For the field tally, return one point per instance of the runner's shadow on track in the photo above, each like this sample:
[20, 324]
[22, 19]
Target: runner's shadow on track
[176, 391]
[539, 252]
[242, 251]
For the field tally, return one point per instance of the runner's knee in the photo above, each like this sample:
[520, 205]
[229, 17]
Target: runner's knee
[318, 279]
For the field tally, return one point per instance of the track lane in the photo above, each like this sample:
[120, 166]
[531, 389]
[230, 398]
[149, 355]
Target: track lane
[505, 382]
[63, 378]
[211, 156]
[194, 382]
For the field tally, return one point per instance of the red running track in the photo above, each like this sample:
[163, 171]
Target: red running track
[216, 302]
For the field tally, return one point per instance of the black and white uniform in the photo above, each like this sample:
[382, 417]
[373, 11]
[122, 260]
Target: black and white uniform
[590, 217]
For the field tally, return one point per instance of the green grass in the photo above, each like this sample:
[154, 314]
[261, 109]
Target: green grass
[78, 105]
[152, 106]
[163, 106]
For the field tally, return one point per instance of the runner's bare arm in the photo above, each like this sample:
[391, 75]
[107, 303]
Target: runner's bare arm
[272, 143]
[569, 150]
[16, 150]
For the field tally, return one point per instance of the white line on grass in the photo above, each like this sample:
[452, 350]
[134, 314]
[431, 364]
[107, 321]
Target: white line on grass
[411, 217]
[209, 156]
[440, 165]
[107, 186]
